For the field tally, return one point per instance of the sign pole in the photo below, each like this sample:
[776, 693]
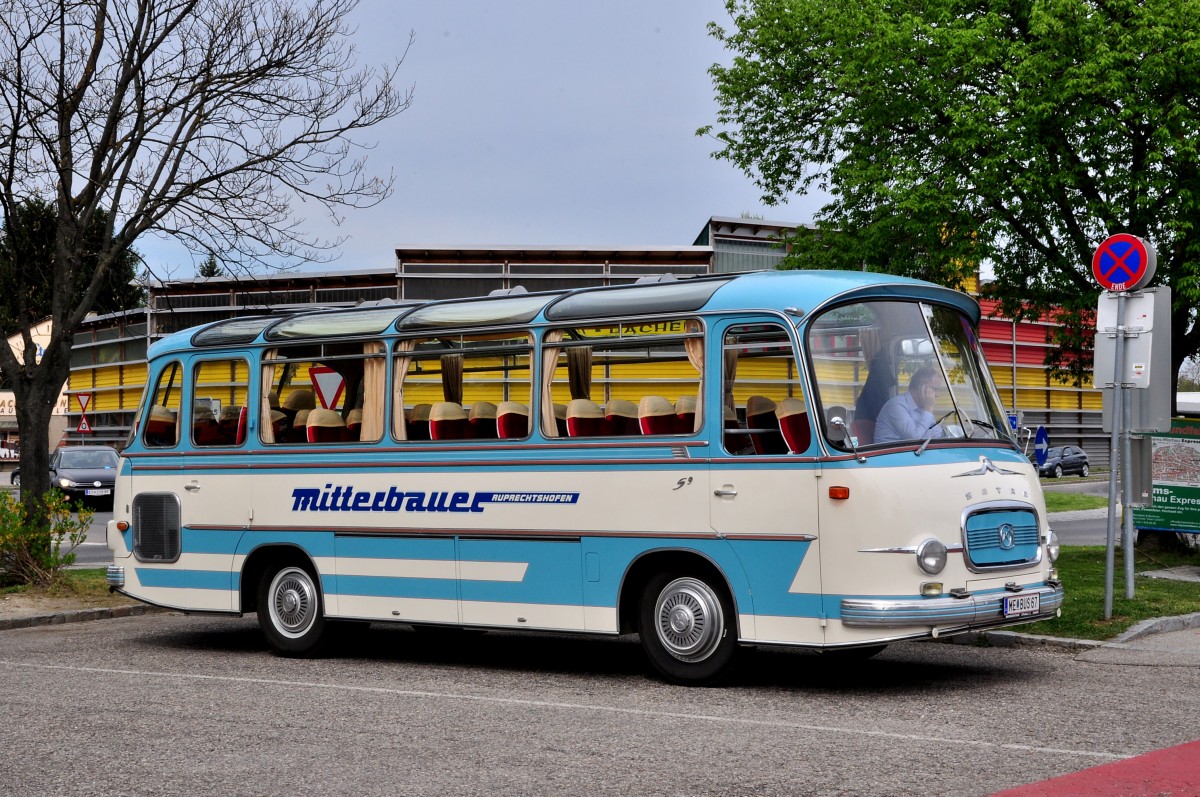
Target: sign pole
[1113, 457]
[1127, 501]
[1121, 263]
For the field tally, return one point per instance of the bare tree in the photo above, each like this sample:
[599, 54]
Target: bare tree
[204, 120]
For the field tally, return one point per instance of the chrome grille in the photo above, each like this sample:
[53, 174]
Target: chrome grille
[1001, 537]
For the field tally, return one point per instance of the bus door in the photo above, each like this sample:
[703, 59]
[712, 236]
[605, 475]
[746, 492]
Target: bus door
[763, 481]
[214, 493]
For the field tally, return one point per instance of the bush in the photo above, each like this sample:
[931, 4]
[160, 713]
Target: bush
[32, 551]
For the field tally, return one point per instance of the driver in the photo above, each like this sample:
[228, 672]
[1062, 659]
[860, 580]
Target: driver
[909, 416]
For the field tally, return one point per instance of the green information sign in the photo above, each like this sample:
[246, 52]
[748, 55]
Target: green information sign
[1176, 505]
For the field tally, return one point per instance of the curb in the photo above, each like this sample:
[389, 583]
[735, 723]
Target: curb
[1015, 639]
[78, 616]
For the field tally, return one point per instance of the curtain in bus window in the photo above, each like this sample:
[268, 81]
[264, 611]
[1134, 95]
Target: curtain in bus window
[579, 372]
[549, 363]
[730, 362]
[400, 370]
[452, 378]
[374, 374]
[695, 353]
[266, 428]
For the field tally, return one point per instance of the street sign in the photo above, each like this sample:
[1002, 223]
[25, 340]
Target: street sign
[1012, 421]
[84, 399]
[1124, 262]
[1041, 445]
[327, 384]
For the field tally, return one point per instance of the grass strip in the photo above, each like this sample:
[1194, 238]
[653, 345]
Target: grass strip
[1081, 569]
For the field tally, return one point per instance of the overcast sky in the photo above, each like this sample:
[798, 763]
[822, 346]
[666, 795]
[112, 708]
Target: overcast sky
[543, 123]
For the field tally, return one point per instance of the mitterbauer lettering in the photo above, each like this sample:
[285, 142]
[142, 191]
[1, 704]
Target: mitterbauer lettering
[339, 498]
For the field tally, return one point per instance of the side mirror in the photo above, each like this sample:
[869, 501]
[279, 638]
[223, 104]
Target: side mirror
[837, 429]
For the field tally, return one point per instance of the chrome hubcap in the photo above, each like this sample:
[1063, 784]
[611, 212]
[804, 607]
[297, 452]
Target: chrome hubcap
[293, 601]
[690, 621]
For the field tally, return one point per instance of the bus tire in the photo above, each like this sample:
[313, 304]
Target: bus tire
[289, 610]
[685, 628]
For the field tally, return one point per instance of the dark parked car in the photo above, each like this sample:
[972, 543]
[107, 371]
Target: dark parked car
[85, 472]
[1064, 459]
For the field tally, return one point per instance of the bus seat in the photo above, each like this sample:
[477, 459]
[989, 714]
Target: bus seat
[584, 418]
[793, 424]
[621, 417]
[447, 421]
[205, 431]
[560, 419]
[160, 426]
[863, 431]
[656, 415]
[279, 426]
[324, 426]
[232, 425]
[512, 419]
[353, 424]
[302, 399]
[878, 389]
[735, 441]
[482, 420]
[417, 421]
[685, 414]
[764, 426]
[297, 431]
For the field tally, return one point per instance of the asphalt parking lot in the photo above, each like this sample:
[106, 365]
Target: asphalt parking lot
[167, 704]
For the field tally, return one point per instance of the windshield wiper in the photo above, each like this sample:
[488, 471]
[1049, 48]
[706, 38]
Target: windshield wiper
[977, 422]
[929, 432]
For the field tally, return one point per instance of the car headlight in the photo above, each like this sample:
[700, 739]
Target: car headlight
[931, 556]
[67, 483]
[1052, 547]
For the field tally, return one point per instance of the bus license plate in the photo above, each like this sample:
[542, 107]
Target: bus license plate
[97, 492]
[1020, 605]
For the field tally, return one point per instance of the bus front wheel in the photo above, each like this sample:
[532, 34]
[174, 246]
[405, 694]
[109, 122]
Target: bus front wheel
[289, 610]
[684, 625]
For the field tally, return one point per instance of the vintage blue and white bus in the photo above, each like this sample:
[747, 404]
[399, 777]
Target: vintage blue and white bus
[701, 461]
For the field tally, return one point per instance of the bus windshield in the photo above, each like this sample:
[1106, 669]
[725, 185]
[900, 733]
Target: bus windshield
[894, 371]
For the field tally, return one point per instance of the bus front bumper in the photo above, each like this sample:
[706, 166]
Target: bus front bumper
[986, 609]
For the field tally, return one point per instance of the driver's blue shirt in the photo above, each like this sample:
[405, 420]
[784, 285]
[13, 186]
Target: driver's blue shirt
[901, 419]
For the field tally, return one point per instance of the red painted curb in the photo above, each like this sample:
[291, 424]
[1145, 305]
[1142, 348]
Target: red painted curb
[1170, 772]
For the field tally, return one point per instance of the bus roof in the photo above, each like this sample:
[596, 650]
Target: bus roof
[797, 292]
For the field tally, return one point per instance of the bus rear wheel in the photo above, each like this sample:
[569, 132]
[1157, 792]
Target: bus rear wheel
[684, 625]
[289, 610]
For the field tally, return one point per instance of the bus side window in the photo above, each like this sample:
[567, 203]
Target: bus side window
[162, 415]
[461, 387]
[764, 409]
[219, 394]
[623, 380]
[324, 393]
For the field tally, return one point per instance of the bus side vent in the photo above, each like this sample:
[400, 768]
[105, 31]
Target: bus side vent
[156, 534]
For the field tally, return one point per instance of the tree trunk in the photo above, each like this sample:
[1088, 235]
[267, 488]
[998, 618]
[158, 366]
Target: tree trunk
[36, 392]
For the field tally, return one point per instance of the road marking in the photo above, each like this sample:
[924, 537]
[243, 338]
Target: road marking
[585, 707]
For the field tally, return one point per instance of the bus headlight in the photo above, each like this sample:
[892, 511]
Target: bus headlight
[1052, 548]
[931, 556]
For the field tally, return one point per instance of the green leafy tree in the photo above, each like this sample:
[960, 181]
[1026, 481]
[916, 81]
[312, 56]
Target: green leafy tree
[1016, 135]
[202, 120]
